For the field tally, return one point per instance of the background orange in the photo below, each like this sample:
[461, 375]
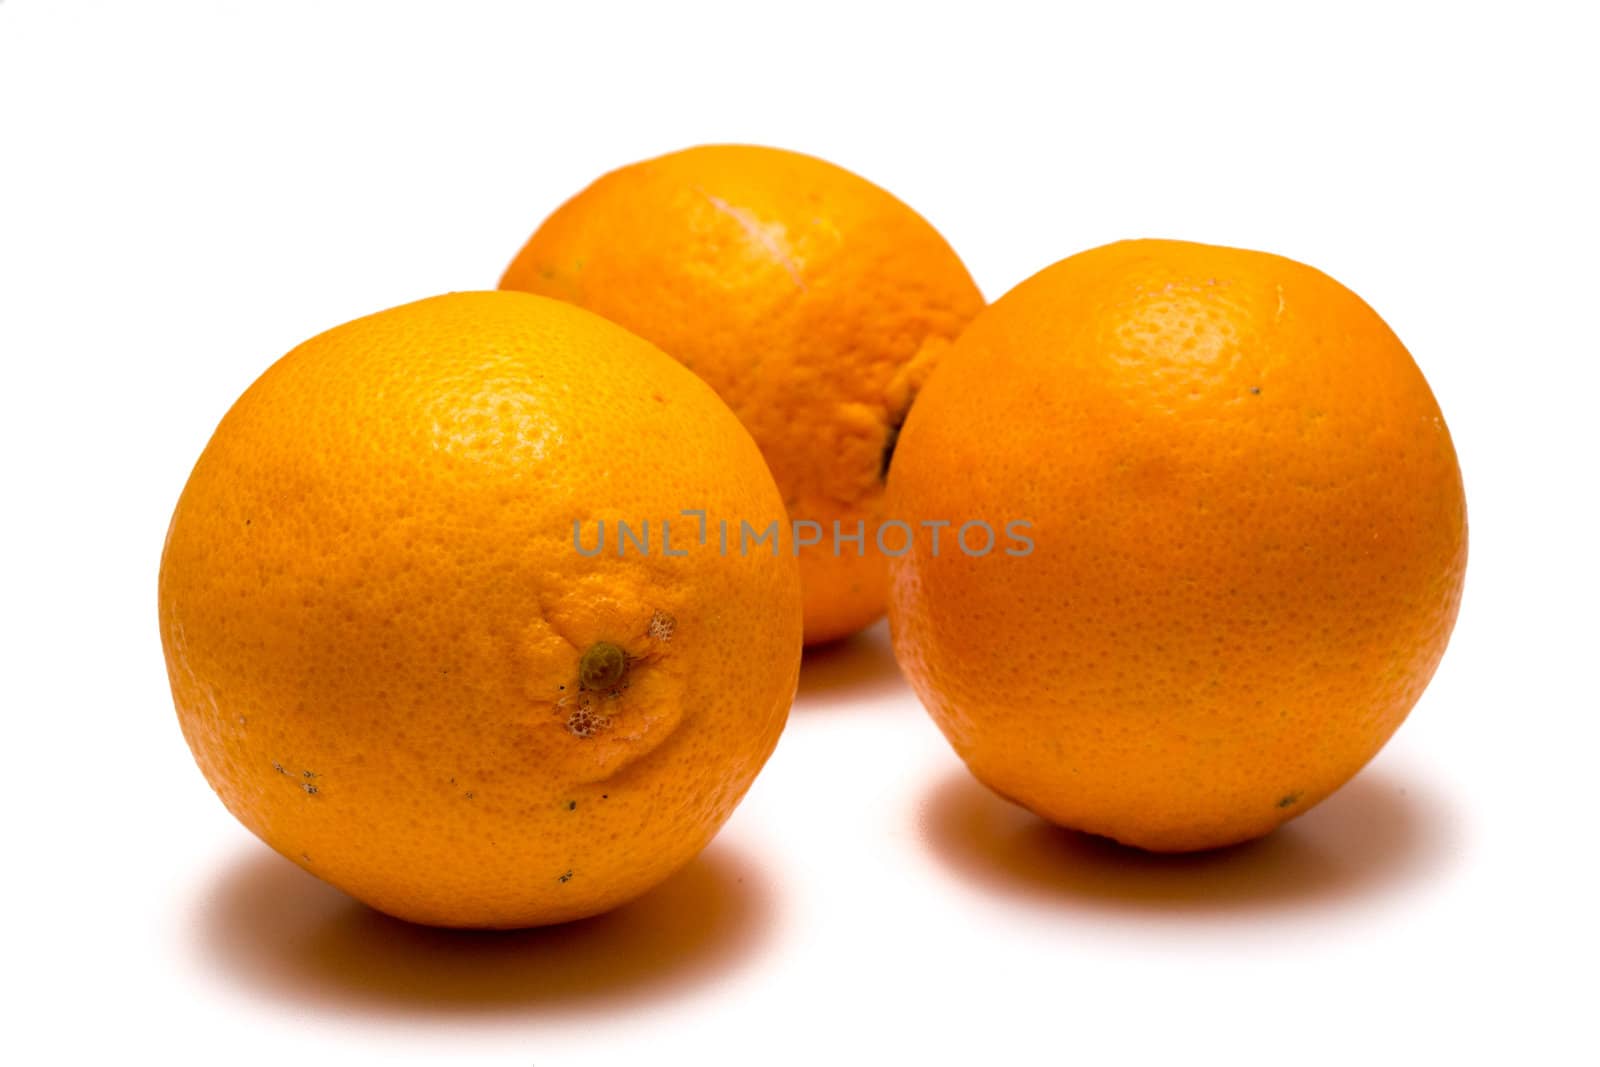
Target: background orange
[813, 301]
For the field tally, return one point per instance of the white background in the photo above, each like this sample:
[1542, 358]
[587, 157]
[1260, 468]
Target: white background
[189, 189]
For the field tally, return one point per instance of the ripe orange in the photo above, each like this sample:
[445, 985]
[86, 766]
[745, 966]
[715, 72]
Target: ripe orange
[1249, 542]
[393, 664]
[814, 303]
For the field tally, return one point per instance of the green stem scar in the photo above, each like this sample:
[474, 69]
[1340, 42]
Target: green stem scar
[602, 666]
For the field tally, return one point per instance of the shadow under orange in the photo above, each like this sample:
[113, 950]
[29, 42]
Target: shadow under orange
[1373, 835]
[848, 671]
[275, 929]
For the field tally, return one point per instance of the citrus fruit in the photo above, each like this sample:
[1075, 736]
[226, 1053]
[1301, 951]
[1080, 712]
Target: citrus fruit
[399, 655]
[1244, 552]
[813, 301]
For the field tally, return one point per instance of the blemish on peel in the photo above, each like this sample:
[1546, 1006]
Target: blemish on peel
[567, 877]
[586, 722]
[310, 789]
[661, 626]
[1288, 800]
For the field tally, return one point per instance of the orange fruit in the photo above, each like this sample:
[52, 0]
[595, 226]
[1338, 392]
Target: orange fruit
[395, 665]
[811, 300]
[1248, 539]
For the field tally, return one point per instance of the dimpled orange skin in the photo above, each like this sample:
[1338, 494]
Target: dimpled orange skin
[1249, 542]
[374, 614]
[813, 301]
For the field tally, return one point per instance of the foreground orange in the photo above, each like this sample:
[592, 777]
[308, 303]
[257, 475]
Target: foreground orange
[1249, 539]
[813, 301]
[393, 664]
